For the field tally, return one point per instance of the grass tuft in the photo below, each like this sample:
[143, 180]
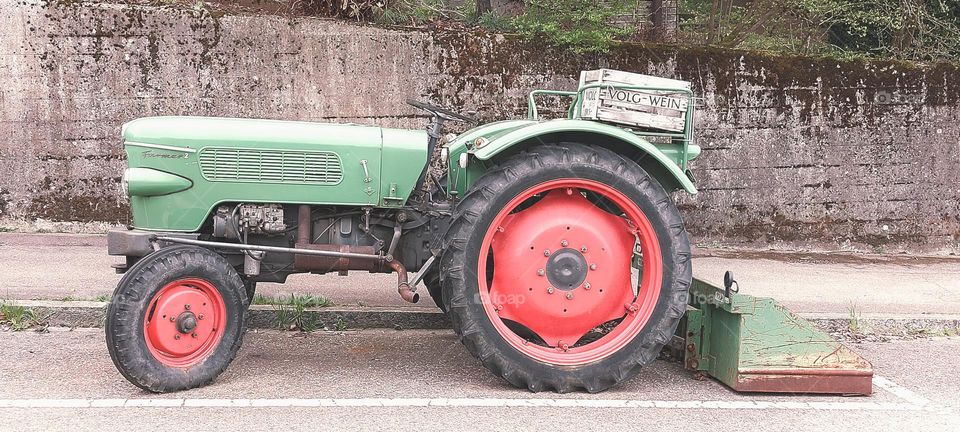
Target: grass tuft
[305, 300]
[291, 310]
[853, 319]
[19, 318]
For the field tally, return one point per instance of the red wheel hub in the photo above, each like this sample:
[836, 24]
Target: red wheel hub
[184, 322]
[562, 267]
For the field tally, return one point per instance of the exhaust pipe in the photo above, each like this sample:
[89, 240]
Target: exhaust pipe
[403, 286]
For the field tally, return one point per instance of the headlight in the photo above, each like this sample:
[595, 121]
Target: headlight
[444, 156]
[151, 182]
[464, 158]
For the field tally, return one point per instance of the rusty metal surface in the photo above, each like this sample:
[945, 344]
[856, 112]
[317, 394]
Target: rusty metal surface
[823, 381]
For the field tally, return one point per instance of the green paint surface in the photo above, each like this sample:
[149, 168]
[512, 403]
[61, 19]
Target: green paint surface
[393, 157]
[744, 335]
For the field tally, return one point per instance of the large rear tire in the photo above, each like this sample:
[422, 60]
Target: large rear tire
[566, 267]
[176, 319]
[431, 280]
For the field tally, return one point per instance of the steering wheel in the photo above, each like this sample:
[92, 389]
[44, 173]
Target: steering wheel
[441, 112]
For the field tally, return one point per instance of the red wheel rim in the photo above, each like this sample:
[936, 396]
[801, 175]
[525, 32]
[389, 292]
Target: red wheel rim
[184, 322]
[532, 256]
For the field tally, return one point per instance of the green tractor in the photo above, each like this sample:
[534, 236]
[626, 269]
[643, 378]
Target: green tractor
[554, 247]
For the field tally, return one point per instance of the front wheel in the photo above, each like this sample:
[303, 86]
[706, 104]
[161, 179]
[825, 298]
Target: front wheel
[566, 267]
[176, 319]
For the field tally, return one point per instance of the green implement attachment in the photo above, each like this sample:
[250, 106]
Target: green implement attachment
[756, 345]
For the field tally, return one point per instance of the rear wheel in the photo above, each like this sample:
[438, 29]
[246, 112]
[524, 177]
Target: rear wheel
[176, 319]
[566, 267]
[431, 280]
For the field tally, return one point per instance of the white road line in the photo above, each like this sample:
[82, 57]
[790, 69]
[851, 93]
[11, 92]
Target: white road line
[900, 391]
[462, 402]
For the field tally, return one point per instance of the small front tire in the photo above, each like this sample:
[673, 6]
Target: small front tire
[176, 319]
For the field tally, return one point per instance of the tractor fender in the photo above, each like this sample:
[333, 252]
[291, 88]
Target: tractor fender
[665, 168]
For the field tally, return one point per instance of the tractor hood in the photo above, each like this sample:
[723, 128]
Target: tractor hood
[181, 168]
[198, 132]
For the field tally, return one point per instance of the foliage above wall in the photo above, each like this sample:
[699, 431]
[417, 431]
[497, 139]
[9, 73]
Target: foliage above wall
[919, 30]
[924, 30]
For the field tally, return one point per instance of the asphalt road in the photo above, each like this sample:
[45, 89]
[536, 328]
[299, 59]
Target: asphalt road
[54, 267]
[424, 380]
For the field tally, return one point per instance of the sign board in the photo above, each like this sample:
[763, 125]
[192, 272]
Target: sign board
[645, 109]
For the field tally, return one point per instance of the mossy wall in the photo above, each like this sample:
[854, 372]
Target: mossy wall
[798, 152]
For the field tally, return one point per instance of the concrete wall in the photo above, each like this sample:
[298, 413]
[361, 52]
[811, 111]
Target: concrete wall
[797, 152]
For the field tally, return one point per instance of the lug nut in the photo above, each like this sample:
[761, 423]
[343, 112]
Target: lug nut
[583, 248]
[176, 336]
[172, 319]
[540, 272]
[194, 335]
[593, 266]
[550, 290]
[569, 296]
[546, 252]
[563, 243]
[200, 316]
[586, 285]
[187, 306]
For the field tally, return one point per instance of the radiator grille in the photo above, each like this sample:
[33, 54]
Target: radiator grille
[271, 166]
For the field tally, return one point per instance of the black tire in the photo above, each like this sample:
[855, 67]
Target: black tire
[479, 207]
[125, 318]
[250, 288]
[432, 281]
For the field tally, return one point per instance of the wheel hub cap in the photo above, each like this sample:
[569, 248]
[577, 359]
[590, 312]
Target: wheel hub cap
[566, 269]
[560, 308]
[184, 322]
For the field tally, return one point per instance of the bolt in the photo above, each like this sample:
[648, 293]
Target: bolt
[550, 290]
[569, 296]
[586, 285]
[187, 306]
[691, 347]
[583, 249]
[172, 319]
[540, 272]
[563, 346]
[200, 316]
[563, 243]
[593, 266]
[632, 307]
[194, 335]
[176, 336]
[546, 252]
